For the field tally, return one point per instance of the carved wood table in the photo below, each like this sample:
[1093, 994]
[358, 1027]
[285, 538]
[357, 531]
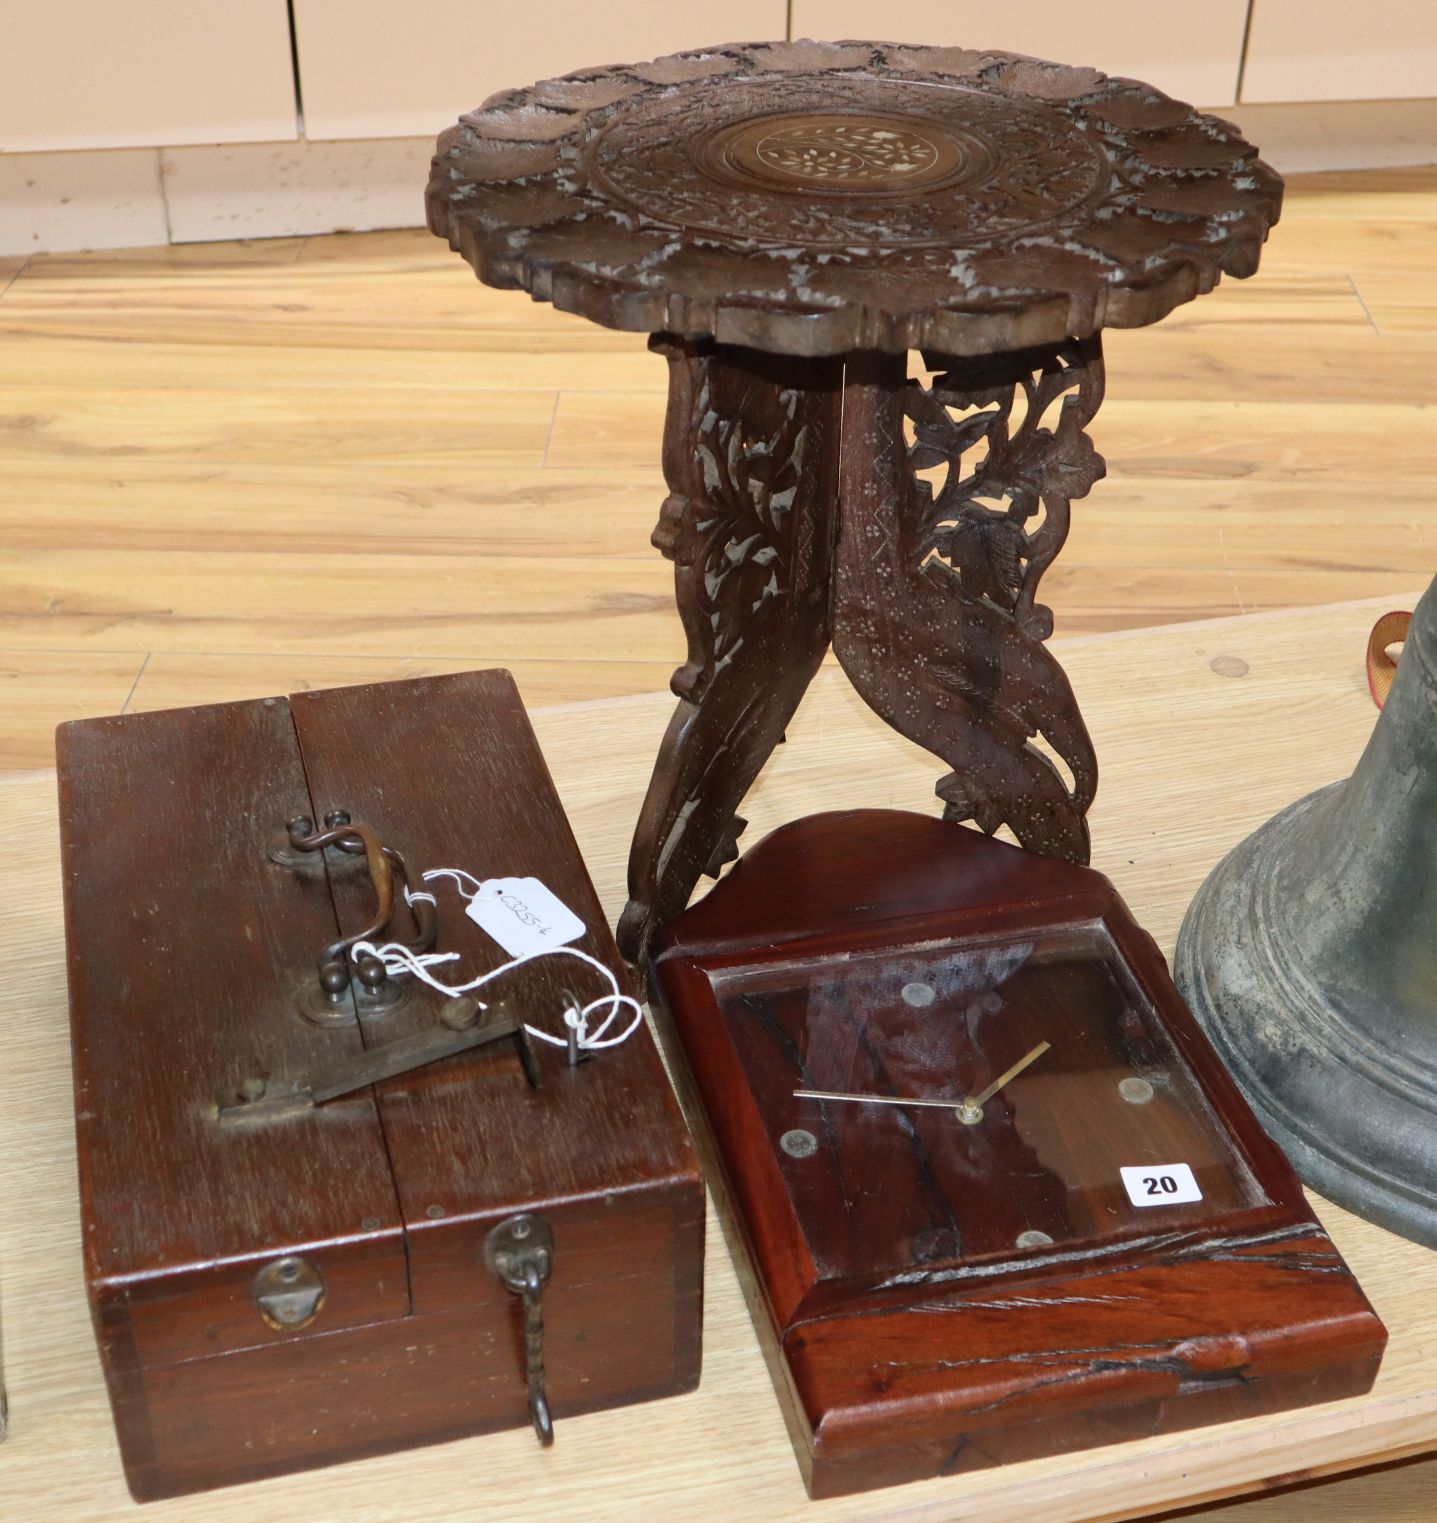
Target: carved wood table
[789, 221]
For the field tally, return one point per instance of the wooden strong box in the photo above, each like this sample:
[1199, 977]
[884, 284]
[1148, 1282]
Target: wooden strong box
[281, 1279]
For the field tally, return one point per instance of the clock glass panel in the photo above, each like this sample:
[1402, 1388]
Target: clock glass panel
[1098, 1130]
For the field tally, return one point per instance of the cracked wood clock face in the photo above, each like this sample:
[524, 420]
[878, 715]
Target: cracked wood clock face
[1102, 1135]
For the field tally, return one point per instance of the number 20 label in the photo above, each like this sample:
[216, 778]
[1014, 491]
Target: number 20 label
[1160, 1184]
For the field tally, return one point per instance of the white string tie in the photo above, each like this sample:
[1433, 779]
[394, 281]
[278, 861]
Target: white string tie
[399, 959]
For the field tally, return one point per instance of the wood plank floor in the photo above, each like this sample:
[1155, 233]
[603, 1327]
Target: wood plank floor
[230, 470]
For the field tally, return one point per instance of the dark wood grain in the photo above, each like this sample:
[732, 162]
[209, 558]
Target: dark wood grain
[621, 1326]
[815, 198]
[189, 950]
[1133, 1322]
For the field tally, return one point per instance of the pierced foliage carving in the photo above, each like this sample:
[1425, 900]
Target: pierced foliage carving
[750, 457]
[1000, 515]
[936, 619]
[729, 526]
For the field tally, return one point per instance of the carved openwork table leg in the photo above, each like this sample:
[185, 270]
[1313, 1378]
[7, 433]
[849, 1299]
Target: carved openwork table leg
[947, 502]
[944, 539]
[750, 458]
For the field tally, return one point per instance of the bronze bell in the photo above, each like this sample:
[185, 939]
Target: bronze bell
[1310, 956]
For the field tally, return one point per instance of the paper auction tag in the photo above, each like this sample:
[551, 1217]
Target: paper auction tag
[1160, 1184]
[523, 916]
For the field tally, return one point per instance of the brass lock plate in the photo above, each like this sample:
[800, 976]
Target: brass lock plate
[289, 1293]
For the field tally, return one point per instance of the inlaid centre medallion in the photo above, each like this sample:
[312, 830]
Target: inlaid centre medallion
[847, 151]
[852, 161]
[838, 152]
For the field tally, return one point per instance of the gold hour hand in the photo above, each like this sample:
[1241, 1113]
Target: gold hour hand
[969, 1111]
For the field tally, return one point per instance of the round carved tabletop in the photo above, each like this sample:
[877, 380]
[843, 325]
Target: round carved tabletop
[813, 198]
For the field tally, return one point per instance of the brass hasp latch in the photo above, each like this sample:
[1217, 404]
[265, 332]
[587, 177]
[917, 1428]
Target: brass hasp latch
[337, 998]
[459, 1030]
[345, 983]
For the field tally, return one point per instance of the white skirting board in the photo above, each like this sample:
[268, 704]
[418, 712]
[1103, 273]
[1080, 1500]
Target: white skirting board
[56, 202]
[278, 190]
[106, 199]
[1343, 134]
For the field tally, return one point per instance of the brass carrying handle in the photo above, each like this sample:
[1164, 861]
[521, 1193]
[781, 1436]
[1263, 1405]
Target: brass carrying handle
[385, 866]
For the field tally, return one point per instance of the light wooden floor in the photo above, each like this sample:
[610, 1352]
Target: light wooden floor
[234, 469]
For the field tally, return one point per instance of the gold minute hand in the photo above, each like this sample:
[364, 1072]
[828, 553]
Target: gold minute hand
[969, 1111]
[981, 1099]
[833, 1094]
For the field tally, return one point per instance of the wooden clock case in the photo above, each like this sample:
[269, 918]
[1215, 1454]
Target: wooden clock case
[969, 1365]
